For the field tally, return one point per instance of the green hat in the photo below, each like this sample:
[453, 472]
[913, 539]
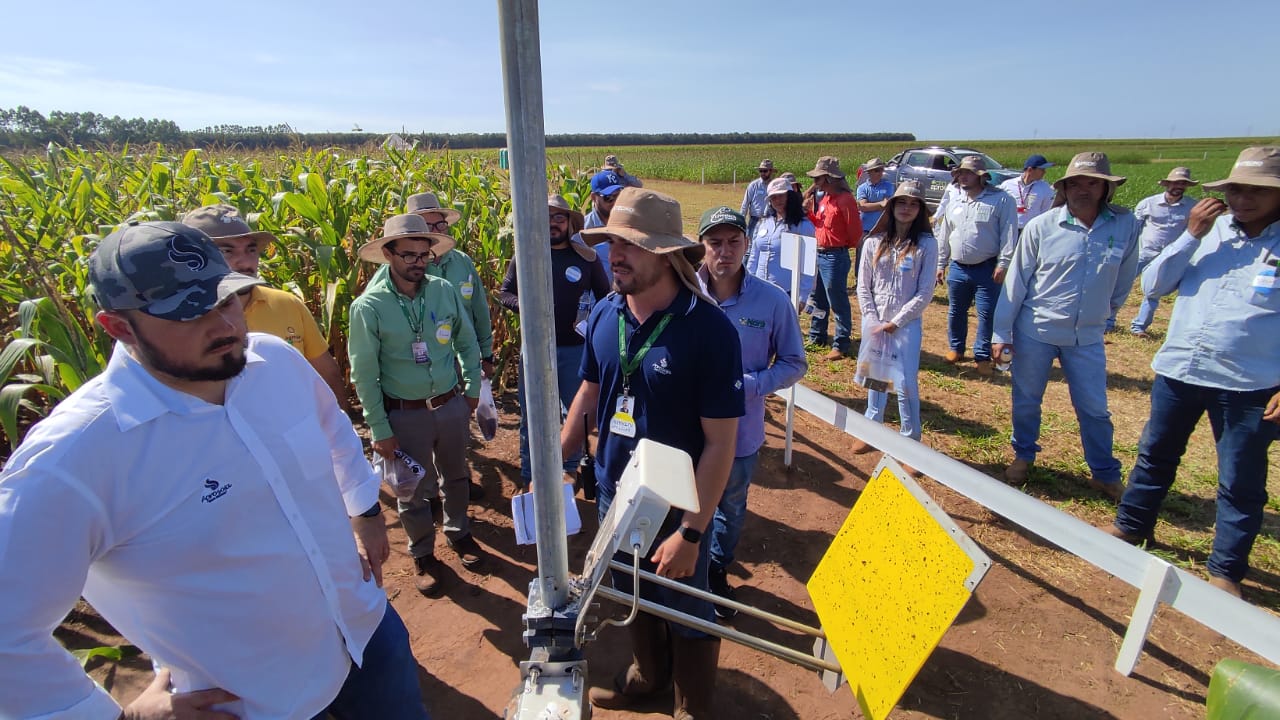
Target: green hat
[165, 269]
[723, 215]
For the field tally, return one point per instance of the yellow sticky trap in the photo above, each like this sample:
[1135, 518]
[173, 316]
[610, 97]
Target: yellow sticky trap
[893, 580]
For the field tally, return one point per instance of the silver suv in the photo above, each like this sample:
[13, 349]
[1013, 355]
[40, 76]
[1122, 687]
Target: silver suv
[931, 167]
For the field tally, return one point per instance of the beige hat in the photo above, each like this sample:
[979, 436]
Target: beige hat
[972, 163]
[651, 220]
[1088, 164]
[1179, 174]
[576, 221]
[906, 188]
[611, 161]
[223, 221]
[426, 202]
[873, 164]
[1255, 166]
[404, 227]
[826, 165]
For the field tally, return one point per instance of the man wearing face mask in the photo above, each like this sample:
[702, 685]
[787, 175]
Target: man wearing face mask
[577, 282]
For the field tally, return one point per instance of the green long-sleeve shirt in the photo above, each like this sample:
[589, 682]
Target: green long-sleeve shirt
[458, 268]
[380, 346]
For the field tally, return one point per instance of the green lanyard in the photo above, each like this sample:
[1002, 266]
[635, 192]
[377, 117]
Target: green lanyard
[415, 323]
[629, 364]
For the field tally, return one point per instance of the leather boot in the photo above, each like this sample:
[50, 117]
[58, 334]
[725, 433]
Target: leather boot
[650, 671]
[694, 668]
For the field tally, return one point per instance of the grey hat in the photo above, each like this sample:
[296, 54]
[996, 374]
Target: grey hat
[826, 165]
[404, 227]
[223, 221]
[765, 165]
[873, 164]
[423, 203]
[164, 269]
[973, 164]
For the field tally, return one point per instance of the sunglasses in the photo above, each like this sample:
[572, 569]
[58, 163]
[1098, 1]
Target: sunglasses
[611, 198]
[414, 258]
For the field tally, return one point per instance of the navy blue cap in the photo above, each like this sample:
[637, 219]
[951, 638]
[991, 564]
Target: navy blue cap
[1037, 161]
[606, 182]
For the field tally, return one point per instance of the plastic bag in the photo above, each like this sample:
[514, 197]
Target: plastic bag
[879, 362]
[402, 473]
[524, 517]
[487, 411]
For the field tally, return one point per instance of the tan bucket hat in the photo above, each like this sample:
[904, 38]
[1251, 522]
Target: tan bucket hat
[765, 164]
[906, 188]
[426, 202]
[972, 163]
[651, 220]
[1088, 164]
[576, 221]
[873, 164]
[826, 165]
[1255, 166]
[1179, 174]
[223, 221]
[404, 227]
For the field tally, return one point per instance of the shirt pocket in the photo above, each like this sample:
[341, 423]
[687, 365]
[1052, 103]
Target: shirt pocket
[308, 451]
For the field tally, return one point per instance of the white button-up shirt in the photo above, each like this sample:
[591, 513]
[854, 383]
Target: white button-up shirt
[214, 537]
[1033, 200]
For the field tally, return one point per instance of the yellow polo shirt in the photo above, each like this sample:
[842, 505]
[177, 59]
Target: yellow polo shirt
[282, 314]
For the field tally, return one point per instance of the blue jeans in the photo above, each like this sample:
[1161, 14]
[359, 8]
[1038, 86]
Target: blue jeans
[568, 358]
[831, 297]
[965, 283]
[908, 338]
[1147, 310]
[385, 685]
[1085, 367]
[726, 526]
[1242, 438]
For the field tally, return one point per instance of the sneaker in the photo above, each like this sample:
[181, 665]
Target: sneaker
[718, 582]
[430, 575]
[1017, 472]
[953, 356]
[985, 369]
[1113, 490]
[474, 491]
[468, 550]
[1142, 334]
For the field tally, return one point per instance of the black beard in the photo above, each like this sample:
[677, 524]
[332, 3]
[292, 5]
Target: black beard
[231, 365]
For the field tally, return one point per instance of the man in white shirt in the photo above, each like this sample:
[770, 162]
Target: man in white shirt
[206, 495]
[1162, 218]
[755, 200]
[1029, 189]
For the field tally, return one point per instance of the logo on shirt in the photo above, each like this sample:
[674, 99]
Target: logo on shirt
[751, 323]
[661, 368]
[215, 490]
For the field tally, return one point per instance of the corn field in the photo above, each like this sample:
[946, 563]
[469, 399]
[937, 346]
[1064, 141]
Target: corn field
[320, 204]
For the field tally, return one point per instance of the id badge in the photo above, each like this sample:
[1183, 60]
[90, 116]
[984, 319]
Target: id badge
[1266, 280]
[420, 355]
[984, 213]
[908, 262]
[622, 423]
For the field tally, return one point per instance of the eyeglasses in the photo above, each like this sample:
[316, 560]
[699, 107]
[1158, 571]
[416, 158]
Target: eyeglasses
[438, 226]
[559, 217]
[764, 171]
[610, 198]
[414, 258]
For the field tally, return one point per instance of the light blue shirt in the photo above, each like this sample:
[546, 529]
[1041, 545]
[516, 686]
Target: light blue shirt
[1160, 223]
[1223, 334]
[755, 201]
[974, 230]
[772, 350]
[1065, 280]
[872, 193]
[765, 258]
[592, 220]
[899, 286]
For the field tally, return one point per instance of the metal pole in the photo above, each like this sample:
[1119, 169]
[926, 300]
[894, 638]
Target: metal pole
[522, 87]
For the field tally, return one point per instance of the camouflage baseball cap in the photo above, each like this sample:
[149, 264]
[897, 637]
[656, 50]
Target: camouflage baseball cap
[165, 269]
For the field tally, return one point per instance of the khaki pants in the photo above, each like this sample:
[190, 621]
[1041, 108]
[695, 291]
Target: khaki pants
[438, 440]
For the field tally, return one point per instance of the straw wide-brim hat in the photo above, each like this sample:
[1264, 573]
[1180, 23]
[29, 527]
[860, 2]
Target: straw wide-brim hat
[223, 221]
[1255, 166]
[576, 222]
[404, 227]
[423, 203]
[906, 188]
[1088, 164]
[651, 220]
[1179, 174]
[826, 165]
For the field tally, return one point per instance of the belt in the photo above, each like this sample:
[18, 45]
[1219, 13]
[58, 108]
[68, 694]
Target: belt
[434, 403]
[832, 248]
[982, 262]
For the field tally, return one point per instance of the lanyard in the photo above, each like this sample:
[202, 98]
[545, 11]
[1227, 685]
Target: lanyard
[629, 364]
[415, 323]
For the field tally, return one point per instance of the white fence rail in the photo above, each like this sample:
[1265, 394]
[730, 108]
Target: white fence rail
[1157, 581]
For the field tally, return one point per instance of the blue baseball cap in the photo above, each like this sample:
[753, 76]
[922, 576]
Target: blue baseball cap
[606, 182]
[1037, 161]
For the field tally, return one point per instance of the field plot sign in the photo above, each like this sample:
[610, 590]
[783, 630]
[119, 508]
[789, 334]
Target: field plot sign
[893, 580]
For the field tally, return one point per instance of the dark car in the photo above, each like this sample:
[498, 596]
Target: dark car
[931, 167]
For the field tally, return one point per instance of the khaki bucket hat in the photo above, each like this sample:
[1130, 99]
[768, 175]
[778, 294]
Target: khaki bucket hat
[576, 221]
[873, 164]
[423, 203]
[651, 220]
[972, 163]
[765, 164]
[223, 221]
[826, 165]
[404, 227]
[1255, 166]
[1088, 164]
[906, 188]
[1179, 174]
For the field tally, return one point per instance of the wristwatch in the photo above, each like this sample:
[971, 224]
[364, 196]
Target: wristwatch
[690, 535]
[374, 511]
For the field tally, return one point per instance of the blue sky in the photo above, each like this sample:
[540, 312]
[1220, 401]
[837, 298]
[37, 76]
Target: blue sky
[942, 70]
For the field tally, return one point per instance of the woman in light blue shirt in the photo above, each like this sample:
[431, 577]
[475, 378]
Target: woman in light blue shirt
[785, 215]
[896, 276]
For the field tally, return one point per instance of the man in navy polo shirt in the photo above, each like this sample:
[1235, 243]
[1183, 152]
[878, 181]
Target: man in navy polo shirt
[677, 380]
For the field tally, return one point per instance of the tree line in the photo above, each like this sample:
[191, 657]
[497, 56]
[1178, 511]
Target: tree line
[22, 127]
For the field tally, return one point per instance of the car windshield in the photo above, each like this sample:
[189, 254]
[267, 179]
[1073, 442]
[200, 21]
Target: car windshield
[987, 161]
